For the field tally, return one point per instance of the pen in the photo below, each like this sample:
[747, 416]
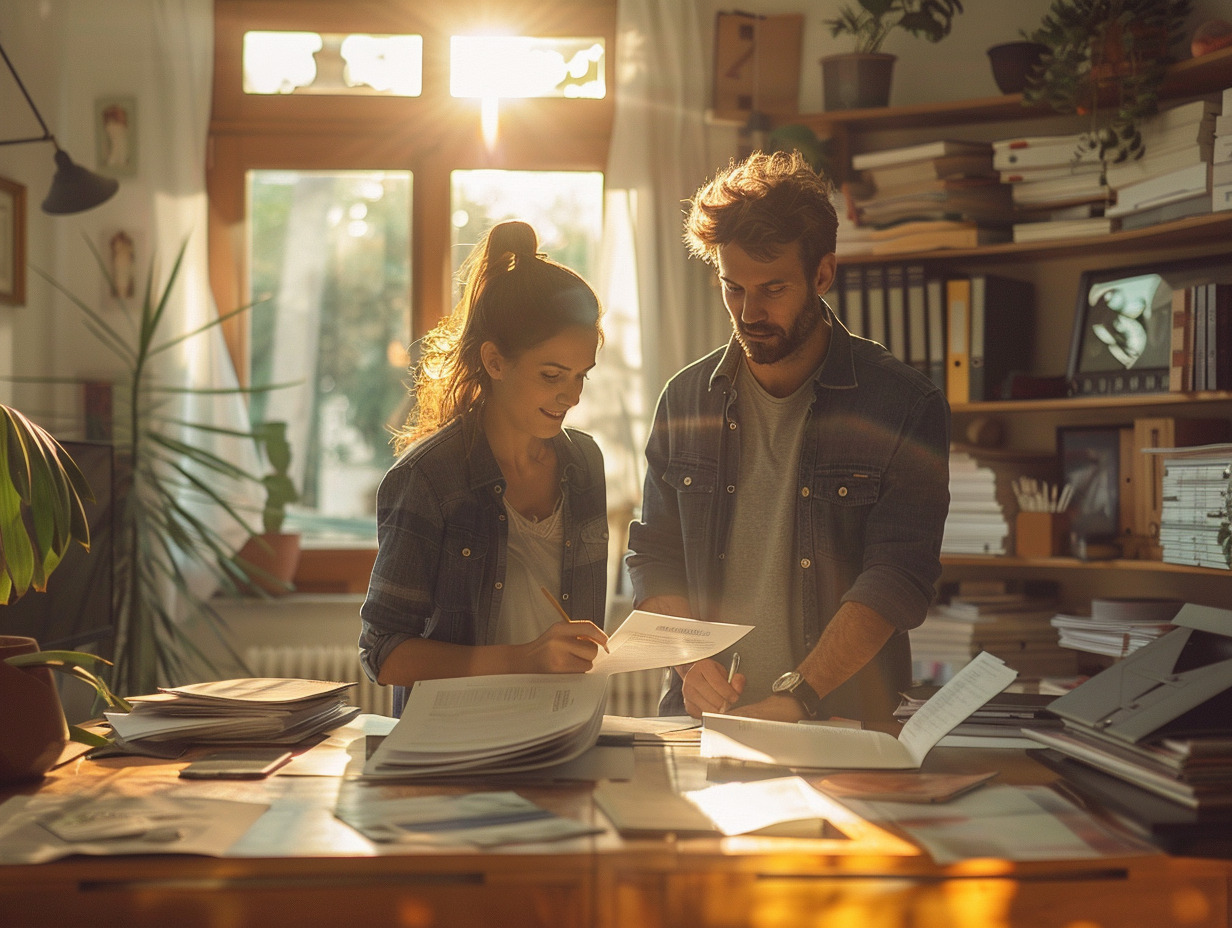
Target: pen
[731, 672]
[564, 615]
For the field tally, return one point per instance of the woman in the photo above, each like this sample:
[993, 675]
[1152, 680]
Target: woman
[494, 518]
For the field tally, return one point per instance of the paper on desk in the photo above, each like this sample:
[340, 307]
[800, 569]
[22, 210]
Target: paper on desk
[648, 640]
[740, 808]
[30, 826]
[792, 745]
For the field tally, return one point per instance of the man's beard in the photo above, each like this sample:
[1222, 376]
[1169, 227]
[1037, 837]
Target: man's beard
[782, 344]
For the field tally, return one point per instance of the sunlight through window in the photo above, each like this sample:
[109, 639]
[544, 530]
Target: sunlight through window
[524, 66]
[328, 63]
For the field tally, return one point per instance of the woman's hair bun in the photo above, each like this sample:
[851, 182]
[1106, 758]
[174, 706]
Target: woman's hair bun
[513, 237]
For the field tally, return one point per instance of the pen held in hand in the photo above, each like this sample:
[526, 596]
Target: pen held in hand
[731, 673]
[564, 615]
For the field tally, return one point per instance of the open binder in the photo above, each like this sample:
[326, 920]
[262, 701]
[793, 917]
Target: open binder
[1176, 686]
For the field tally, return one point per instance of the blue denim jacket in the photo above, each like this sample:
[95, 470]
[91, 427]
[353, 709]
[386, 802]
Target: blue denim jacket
[873, 485]
[442, 535]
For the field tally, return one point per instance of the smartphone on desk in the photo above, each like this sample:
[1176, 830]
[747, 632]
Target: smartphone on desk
[239, 764]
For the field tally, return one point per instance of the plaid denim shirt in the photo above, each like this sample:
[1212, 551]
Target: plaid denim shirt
[442, 534]
[873, 495]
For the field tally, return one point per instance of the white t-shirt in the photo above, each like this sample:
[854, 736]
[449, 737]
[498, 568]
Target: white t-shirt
[532, 560]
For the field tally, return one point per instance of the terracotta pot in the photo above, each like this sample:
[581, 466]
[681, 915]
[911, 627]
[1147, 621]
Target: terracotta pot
[857, 81]
[35, 732]
[275, 555]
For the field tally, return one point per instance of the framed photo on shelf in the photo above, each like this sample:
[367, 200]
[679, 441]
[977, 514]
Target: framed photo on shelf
[1091, 464]
[1122, 338]
[12, 243]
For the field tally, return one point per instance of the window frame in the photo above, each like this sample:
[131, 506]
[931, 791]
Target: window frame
[430, 135]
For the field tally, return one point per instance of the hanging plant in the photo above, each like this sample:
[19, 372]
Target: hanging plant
[1106, 60]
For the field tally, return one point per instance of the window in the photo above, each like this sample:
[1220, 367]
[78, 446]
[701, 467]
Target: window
[323, 114]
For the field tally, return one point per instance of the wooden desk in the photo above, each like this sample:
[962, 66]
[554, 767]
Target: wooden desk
[304, 868]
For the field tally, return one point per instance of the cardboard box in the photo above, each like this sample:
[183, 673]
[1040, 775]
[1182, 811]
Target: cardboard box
[757, 64]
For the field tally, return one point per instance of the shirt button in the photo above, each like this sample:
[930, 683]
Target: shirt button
[731, 425]
[466, 552]
[568, 544]
[564, 597]
[501, 517]
[722, 557]
[804, 491]
[497, 489]
[731, 489]
[805, 563]
[842, 491]
[499, 585]
[688, 481]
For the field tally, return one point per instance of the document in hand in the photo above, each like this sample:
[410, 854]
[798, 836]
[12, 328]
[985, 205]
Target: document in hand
[794, 745]
[510, 723]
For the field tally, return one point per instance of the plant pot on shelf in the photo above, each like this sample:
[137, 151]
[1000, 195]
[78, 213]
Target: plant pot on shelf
[1013, 62]
[35, 732]
[270, 560]
[857, 81]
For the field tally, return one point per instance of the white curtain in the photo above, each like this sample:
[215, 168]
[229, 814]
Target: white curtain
[658, 160]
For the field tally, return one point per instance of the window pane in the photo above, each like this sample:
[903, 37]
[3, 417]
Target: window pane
[330, 252]
[329, 63]
[525, 66]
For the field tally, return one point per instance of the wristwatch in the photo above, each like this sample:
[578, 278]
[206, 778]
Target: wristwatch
[794, 685]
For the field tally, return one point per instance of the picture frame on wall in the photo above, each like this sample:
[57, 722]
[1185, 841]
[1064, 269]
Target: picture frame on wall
[115, 135]
[1122, 336]
[12, 243]
[1091, 464]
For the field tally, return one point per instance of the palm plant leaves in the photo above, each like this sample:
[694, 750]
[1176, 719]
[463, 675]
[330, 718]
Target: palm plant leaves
[178, 500]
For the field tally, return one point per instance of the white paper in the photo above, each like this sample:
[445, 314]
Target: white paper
[794, 745]
[739, 808]
[647, 641]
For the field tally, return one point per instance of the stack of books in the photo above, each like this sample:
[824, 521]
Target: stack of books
[1116, 627]
[998, 721]
[976, 523]
[1172, 179]
[1057, 186]
[1011, 624]
[1201, 337]
[946, 180]
[1196, 483]
[250, 710]
[1221, 157]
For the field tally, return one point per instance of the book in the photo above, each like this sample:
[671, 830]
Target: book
[1042, 151]
[1164, 161]
[853, 299]
[1065, 228]
[958, 340]
[917, 318]
[811, 746]
[1197, 205]
[1050, 172]
[988, 204]
[935, 306]
[510, 723]
[1002, 327]
[957, 235]
[874, 304]
[1180, 370]
[1072, 188]
[975, 164]
[1164, 188]
[922, 152]
[903, 787]
[896, 312]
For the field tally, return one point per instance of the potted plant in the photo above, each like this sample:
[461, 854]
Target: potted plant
[41, 515]
[861, 78]
[269, 559]
[1105, 60]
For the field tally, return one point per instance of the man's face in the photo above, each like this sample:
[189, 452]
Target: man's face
[774, 307]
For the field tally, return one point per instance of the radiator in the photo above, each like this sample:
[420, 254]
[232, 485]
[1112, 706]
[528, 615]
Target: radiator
[634, 694]
[338, 663]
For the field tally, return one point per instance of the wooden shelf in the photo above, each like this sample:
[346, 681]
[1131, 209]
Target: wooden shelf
[1073, 563]
[1119, 401]
[1212, 229]
[1208, 74]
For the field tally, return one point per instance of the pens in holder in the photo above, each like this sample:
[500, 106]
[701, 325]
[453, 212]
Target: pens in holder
[564, 615]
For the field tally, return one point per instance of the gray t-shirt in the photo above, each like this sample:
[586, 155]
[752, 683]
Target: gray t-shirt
[762, 585]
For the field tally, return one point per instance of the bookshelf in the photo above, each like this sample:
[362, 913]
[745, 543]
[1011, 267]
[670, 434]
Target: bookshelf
[1055, 267]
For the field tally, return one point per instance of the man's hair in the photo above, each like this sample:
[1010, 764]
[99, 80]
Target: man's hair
[764, 204]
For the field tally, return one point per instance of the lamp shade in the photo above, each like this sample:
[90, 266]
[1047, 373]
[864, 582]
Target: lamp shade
[75, 189]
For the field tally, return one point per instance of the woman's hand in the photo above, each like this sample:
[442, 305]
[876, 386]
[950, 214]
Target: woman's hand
[705, 688]
[566, 647]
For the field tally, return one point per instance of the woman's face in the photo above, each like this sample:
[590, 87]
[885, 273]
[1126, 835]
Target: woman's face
[536, 390]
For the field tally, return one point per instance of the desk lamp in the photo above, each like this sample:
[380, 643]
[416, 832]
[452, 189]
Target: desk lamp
[73, 189]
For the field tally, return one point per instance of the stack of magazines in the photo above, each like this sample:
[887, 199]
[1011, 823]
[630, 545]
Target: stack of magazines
[262, 710]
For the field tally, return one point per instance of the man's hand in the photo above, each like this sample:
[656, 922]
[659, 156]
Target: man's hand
[705, 688]
[566, 647]
[777, 708]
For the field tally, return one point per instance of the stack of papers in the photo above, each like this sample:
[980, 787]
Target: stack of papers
[510, 723]
[266, 710]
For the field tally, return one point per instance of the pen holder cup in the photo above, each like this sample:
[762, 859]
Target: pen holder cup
[1040, 534]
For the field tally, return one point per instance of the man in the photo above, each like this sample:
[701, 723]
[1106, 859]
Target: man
[797, 479]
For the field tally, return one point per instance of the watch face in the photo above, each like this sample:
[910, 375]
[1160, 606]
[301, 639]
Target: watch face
[786, 683]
